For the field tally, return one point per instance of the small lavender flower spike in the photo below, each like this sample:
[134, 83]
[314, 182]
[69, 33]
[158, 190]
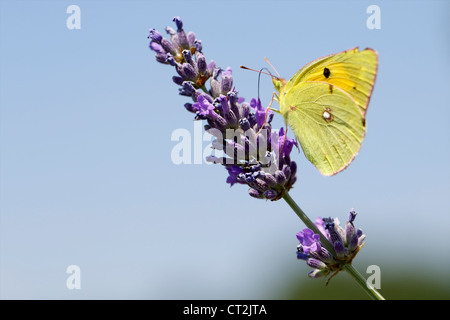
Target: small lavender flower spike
[253, 154]
[346, 244]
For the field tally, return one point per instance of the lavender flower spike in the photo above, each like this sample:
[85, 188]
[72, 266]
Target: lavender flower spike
[320, 259]
[253, 155]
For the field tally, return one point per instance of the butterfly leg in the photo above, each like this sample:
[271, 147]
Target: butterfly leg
[274, 97]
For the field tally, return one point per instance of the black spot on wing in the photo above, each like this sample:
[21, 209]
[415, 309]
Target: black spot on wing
[326, 72]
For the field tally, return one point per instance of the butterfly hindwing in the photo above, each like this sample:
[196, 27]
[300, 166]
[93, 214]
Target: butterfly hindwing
[326, 121]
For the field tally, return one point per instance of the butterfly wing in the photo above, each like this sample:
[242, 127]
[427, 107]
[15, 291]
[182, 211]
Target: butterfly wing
[352, 70]
[327, 122]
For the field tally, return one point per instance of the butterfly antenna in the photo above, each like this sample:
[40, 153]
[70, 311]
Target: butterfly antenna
[267, 60]
[260, 71]
[259, 77]
[273, 96]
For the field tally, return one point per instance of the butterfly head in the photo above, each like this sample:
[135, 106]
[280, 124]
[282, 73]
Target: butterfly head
[278, 83]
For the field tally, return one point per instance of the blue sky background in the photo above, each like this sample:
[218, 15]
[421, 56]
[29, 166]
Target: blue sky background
[86, 174]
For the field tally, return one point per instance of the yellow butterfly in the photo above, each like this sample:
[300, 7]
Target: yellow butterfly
[325, 104]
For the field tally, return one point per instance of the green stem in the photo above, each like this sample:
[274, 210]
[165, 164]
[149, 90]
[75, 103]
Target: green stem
[372, 292]
[311, 225]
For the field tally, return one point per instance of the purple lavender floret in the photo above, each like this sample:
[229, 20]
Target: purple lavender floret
[309, 241]
[253, 153]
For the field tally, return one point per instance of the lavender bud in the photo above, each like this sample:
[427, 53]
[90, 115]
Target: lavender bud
[349, 231]
[161, 57]
[325, 256]
[187, 89]
[287, 172]
[156, 47]
[359, 232]
[181, 40]
[270, 194]
[318, 273]
[361, 239]
[353, 243]
[190, 108]
[231, 119]
[259, 185]
[178, 23]
[293, 166]
[155, 35]
[340, 230]
[255, 193]
[201, 63]
[191, 39]
[245, 110]
[188, 71]
[171, 60]
[168, 46]
[340, 249]
[211, 67]
[198, 45]
[216, 72]
[292, 181]
[331, 227]
[170, 31]
[215, 87]
[227, 83]
[352, 216]
[188, 57]
[224, 104]
[245, 125]
[207, 97]
[286, 160]
[270, 179]
[280, 177]
[219, 122]
[178, 80]
[233, 98]
[316, 264]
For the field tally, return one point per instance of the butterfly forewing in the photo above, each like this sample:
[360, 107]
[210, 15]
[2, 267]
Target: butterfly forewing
[352, 70]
